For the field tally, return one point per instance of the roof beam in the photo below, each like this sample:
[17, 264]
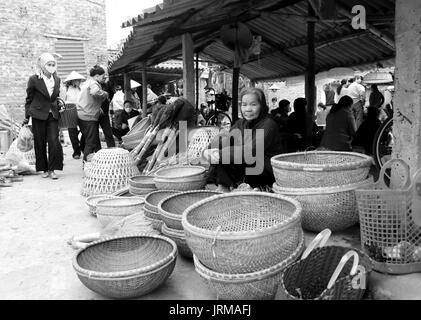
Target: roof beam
[325, 43]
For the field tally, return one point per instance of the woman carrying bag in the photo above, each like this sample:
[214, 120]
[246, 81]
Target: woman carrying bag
[43, 104]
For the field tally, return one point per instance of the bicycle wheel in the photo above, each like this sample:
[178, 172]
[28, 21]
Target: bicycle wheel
[383, 143]
[221, 120]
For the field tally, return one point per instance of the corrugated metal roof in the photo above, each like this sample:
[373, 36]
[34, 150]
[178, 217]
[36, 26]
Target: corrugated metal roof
[282, 25]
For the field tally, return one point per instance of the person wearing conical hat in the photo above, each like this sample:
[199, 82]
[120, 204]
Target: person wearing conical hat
[42, 105]
[73, 82]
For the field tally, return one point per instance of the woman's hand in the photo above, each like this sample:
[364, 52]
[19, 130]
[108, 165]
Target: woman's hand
[211, 155]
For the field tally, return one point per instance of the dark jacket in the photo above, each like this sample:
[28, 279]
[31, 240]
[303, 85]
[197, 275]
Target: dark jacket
[121, 116]
[340, 129]
[38, 101]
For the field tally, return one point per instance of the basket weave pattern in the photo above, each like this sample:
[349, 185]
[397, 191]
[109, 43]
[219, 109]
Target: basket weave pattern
[260, 285]
[109, 171]
[243, 232]
[29, 156]
[154, 198]
[126, 267]
[110, 210]
[311, 276]
[179, 238]
[92, 201]
[320, 168]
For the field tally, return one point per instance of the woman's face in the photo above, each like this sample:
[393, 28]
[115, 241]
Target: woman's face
[250, 106]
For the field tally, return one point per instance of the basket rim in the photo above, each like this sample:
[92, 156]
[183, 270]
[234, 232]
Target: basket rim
[128, 273]
[150, 194]
[363, 161]
[158, 173]
[89, 199]
[360, 252]
[251, 276]
[178, 216]
[136, 202]
[197, 178]
[322, 190]
[295, 218]
[121, 191]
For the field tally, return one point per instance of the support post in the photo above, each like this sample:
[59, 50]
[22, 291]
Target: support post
[188, 67]
[310, 76]
[407, 98]
[197, 85]
[235, 80]
[127, 89]
[144, 91]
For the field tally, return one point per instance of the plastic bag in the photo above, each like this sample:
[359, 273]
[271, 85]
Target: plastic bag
[25, 139]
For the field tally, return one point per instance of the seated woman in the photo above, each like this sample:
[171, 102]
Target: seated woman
[120, 119]
[247, 158]
[340, 126]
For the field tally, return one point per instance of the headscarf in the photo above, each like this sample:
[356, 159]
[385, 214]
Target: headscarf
[43, 59]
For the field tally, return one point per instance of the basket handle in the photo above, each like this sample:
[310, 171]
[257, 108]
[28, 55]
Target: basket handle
[387, 165]
[341, 264]
[319, 241]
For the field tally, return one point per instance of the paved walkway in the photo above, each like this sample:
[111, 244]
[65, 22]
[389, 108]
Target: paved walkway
[37, 216]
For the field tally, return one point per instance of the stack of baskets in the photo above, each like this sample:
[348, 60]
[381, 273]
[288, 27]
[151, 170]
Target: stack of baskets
[180, 178]
[116, 208]
[126, 266]
[109, 171]
[135, 135]
[242, 241]
[150, 208]
[324, 182]
[171, 211]
[141, 185]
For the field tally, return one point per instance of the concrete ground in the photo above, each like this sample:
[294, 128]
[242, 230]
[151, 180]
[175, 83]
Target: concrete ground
[37, 216]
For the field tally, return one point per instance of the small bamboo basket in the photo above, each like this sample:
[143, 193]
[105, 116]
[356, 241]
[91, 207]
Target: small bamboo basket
[110, 210]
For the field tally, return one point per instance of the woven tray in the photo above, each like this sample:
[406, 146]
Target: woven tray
[92, 201]
[243, 232]
[181, 184]
[179, 238]
[260, 285]
[110, 210]
[332, 207]
[316, 169]
[140, 191]
[154, 198]
[176, 172]
[142, 181]
[171, 208]
[126, 266]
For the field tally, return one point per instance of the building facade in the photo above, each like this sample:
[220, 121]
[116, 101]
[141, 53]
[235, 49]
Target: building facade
[74, 29]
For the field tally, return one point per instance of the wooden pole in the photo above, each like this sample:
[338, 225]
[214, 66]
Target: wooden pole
[188, 67]
[127, 89]
[144, 91]
[235, 80]
[197, 85]
[310, 76]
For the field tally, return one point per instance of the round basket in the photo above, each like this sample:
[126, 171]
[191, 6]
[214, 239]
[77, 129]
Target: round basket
[154, 198]
[110, 210]
[151, 214]
[126, 266]
[179, 238]
[29, 156]
[171, 208]
[92, 201]
[308, 279]
[140, 191]
[176, 172]
[142, 181]
[334, 208]
[181, 184]
[260, 285]
[315, 169]
[243, 232]
[109, 171]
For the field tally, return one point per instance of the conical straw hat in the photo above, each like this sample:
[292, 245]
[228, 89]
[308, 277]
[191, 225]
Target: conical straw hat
[74, 76]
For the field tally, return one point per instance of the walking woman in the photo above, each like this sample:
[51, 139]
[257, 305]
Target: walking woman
[42, 104]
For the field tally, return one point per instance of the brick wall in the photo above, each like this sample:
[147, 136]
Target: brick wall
[23, 26]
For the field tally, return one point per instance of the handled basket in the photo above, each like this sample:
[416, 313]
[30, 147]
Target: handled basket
[389, 234]
[68, 116]
[324, 273]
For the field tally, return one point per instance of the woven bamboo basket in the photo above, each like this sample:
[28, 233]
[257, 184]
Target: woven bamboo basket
[179, 238]
[123, 192]
[200, 141]
[243, 232]
[326, 273]
[92, 201]
[109, 171]
[331, 207]
[142, 181]
[125, 267]
[154, 198]
[181, 184]
[140, 191]
[110, 210]
[171, 208]
[316, 169]
[29, 156]
[259, 285]
[151, 214]
[156, 224]
[179, 171]
[390, 234]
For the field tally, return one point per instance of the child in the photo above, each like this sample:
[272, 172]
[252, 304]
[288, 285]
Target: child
[121, 117]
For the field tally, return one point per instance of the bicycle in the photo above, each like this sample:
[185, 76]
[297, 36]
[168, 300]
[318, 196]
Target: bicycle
[215, 115]
[383, 142]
